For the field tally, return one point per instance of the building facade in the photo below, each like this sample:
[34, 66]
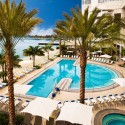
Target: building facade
[115, 7]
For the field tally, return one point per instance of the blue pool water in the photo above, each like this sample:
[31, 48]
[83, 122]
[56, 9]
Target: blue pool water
[96, 77]
[114, 119]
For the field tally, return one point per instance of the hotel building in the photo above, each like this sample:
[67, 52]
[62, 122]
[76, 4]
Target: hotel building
[115, 7]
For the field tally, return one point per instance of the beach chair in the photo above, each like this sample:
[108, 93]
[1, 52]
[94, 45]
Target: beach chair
[18, 101]
[60, 105]
[25, 104]
[112, 97]
[87, 102]
[118, 97]
[102, 60]
[108, 61]
[92, 58]
[100, 99]
[4, 84]
[38, 120]
[93, 101]
[107, 99]
[111, 62]
[1, 86]
[122, 95]
[5, 100]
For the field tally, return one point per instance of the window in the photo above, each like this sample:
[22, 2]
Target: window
[87, 1]
[101, 1]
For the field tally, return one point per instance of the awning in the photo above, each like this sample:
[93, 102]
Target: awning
[120, 81]
[106, 56]
[42, 107]
[76, 113]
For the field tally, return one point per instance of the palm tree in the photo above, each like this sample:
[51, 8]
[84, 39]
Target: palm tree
[47, 48]
[16, 60]
[33, 51]
[88, 30]
[15, 23]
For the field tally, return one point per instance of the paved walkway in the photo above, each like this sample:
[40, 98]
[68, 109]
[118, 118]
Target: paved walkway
[63, 95]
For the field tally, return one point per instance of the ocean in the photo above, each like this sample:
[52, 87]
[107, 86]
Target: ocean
[25, 43]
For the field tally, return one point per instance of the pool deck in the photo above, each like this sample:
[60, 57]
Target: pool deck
[65, 95]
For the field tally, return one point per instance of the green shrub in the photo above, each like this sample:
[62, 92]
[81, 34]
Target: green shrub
[37, 67]
[4, 119]
[51, 59]
[57, 47]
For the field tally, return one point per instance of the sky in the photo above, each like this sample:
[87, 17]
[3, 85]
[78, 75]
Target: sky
[50, 11]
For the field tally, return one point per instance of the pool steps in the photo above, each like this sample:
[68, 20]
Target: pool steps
[76, 63]
[64, 83]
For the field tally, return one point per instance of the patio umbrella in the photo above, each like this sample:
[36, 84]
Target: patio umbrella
[106, 56]
[120, 81]
[123, 58]
[99, 51]
[76, 113]
[42, 107]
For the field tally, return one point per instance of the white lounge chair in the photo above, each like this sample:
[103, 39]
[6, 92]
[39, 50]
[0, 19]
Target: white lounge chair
[106, 98]
[5, 100]
[100, 99]
[18, 101]
[87, 102]
[3, 83]
[93, 101]
[25, 103]
[1, 86]
[112, 97]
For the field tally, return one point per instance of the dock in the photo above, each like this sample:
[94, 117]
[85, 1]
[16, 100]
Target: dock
[77, 62]
[64, 84]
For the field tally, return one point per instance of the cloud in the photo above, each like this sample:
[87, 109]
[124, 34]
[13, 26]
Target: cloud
[41, 31]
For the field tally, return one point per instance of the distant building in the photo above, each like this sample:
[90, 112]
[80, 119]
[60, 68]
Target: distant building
[115, 7]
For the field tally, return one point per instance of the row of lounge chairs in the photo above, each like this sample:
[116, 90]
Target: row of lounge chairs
[98, 100]
[67, 56]
[2, 85]
[22, 72]
[108, 100]
[102, 60]
[19, 103]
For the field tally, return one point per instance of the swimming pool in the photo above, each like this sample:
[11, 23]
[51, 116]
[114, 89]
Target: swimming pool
[96, 77]
[114, 119]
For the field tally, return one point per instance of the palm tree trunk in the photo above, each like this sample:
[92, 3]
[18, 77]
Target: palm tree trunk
[82, 74]
[33, 60]
[9, 64]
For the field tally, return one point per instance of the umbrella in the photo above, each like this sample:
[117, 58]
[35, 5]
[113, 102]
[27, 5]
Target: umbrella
[94, 53]
[99, 51]
[106, 56]
[42, 107]
[76, 113]
[123, 58]
[120, 81]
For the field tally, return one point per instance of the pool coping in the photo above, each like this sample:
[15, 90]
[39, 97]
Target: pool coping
[97, 119]
[112, 86]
